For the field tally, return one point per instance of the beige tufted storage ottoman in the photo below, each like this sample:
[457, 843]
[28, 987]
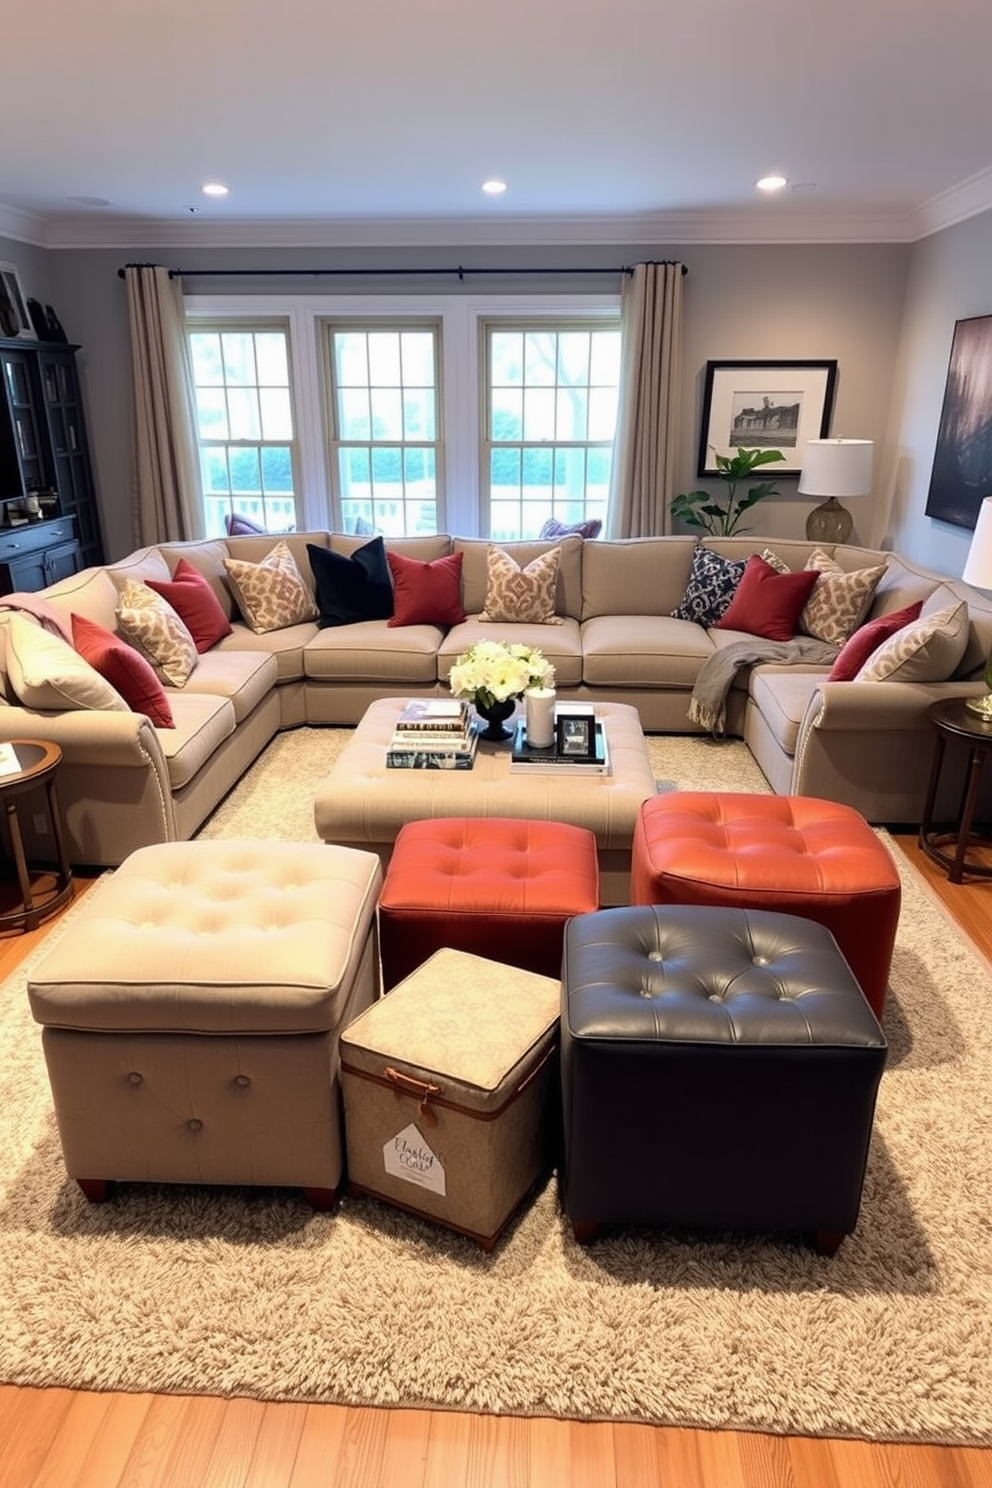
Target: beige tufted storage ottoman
[451, 1097]
[192, 1011]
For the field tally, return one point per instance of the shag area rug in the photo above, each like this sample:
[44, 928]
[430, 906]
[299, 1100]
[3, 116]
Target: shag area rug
[248, 1292]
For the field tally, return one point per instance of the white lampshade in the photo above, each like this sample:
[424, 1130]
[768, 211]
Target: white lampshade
[978, 564]
[837, 467]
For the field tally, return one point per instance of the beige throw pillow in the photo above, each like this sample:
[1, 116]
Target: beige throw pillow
[47, 674]
[839, 600]
[151, 624]
[927, 650]
[521, 595]
[271, 594]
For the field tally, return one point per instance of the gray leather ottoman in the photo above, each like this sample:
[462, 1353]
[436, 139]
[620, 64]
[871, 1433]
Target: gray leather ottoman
[719, 1071]
[192, 1010]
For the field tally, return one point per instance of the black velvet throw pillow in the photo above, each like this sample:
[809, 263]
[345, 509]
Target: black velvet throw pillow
[351, 589]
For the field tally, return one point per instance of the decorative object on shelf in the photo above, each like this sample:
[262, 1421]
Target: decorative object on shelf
[978, 571]
[703, 509]
[771, 405]
[539, 711]
[493, 673]
[14, 317]
[833, 468]
[962, 462]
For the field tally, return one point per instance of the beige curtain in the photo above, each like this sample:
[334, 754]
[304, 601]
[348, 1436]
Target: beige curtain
[645, 445]
[167, 503]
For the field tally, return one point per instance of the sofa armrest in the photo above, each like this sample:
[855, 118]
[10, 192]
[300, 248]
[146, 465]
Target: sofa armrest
[879, 705]
[88, 737]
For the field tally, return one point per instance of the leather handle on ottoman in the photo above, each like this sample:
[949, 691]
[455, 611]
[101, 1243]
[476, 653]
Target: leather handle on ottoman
[420, 1088]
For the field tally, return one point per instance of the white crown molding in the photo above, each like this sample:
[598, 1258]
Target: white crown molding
[967, 199]
[23, 227]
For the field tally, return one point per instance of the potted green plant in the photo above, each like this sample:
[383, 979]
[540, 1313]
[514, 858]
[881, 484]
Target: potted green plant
[721, 516]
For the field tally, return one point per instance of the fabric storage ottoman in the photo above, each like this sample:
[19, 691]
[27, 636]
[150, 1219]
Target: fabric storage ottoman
[792, 854]
[192, 1013]
[719, 1071]
[451, 1096]
[499, 887]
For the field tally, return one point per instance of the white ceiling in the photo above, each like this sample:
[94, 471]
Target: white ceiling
[631, 121]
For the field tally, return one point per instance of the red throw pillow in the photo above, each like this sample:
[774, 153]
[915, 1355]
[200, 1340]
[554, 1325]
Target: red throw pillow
[767, 603]
[196, 604]
[426, 593]
[868, 638]
[124, 668]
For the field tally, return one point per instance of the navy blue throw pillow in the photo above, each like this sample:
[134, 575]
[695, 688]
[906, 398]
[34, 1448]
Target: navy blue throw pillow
[713, 580]
[351, 589]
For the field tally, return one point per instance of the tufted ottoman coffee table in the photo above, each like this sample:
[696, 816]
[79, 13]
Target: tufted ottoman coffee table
[794, 854]
[192, 1010]
[361, 803]
[719, 1071]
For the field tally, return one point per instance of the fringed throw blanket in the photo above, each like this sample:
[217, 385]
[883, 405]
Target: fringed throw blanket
[708, 704]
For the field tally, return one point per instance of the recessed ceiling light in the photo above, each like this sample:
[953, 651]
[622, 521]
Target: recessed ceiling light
[771, 183]
[215, 188]
[494, 187]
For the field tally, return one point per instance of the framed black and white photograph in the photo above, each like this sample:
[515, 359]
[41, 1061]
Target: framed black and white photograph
[576, 735]
[962, 462]
[764, 405]
[14, 317]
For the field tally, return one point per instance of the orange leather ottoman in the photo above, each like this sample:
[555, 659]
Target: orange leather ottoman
[795, 854]
[498, 887]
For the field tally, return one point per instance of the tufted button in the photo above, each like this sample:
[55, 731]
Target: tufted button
[655, 956]
[195, 1124]
[241, 1080]
[135, 1078]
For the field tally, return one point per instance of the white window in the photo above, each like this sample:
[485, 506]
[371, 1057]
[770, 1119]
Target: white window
[383, 424]
[245, 422]
[551, 410]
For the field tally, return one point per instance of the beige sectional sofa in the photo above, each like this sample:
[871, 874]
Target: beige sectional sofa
[125, 783]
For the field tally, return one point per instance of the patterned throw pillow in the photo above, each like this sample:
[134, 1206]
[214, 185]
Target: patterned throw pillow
[271, 594]
[519, 595]
[47, 674]
[150, 623]
[839, 600]
[928, 650]
[712, 582]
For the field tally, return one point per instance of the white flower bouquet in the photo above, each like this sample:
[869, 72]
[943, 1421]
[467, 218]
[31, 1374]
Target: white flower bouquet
[492, 672]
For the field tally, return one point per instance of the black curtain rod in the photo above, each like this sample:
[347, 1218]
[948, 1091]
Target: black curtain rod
[373, 273]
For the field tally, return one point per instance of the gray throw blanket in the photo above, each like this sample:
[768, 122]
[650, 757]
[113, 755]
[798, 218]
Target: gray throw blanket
[708, 704]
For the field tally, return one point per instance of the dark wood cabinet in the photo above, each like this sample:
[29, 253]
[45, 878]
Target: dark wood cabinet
[44, 454]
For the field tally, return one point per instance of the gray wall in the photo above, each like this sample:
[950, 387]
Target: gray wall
[767, 302]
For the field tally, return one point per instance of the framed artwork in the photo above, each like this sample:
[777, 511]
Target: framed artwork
[764, 405]
[14, 317]
[962, 461]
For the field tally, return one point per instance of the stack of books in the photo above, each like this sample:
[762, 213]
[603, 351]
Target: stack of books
[528, 760]
[433, 734]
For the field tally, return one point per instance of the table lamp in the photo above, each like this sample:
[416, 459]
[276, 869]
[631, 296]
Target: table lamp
[978, 571]
[833, 468]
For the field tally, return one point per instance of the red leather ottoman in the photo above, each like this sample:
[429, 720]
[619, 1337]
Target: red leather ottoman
[498, 887]
[795, 854]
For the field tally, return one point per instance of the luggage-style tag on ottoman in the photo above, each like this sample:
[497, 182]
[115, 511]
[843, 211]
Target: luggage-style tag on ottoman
[408, 1156]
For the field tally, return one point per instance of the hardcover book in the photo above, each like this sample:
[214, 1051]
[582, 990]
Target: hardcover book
[525, 759]
[439, 715]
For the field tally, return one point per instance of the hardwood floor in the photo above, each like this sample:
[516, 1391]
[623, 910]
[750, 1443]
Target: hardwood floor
[72, 1439]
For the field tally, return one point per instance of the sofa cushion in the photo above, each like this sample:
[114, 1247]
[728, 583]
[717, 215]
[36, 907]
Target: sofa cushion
[426, 593]
[475, 569]
[353, 587]
[151, 624]
[643, 651]
[636, 575]
[838, 601]
[926, 650]
[713, 581]
[196, 604]
[768, 603]
[868, 638]
[561, 644]
[124, 668]
[271, 594]
[46, 673]
[243, 677]
[370, 652]
[203, 721]
[519, 596]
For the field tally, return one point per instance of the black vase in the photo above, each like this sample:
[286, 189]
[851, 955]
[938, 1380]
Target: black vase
[495, 717]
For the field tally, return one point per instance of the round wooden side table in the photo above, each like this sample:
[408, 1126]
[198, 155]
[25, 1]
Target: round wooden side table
[26, 764]
[953, 720]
